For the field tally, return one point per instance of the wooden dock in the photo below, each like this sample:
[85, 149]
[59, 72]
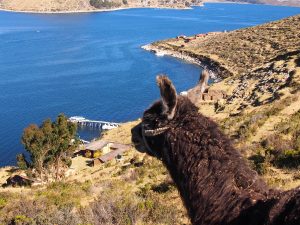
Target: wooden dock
[83, 122]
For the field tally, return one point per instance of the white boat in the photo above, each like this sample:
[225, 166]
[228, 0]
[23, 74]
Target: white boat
[108, 127]
[159, 54]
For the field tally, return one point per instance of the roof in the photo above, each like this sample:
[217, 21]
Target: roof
[118, 145]
[96, 145]
[111, 155]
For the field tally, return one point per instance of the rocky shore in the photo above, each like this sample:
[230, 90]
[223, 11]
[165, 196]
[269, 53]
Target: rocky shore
[204, 63]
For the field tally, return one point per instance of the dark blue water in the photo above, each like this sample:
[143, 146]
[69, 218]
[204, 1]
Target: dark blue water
[92, 65]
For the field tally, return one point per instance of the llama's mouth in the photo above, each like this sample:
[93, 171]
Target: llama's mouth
[155, 132]
[137, 138]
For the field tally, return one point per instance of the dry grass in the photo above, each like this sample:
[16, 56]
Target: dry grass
[139, 193]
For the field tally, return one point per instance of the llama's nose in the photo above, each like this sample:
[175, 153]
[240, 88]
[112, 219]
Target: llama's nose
[136, 134]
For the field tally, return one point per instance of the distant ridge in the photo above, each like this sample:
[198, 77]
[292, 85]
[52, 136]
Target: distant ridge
[72, 6]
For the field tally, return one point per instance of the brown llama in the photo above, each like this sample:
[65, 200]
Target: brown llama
[215, 182]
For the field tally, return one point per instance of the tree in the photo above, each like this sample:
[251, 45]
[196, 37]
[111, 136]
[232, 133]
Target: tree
[21, 162]
[32, 140]
[64, 133]
[50, 146]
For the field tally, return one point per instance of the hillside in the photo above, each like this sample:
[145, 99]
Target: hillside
[270, 2]
[258, 68]
[259, 71]
[137, 190]
[101, 5]
[89, 5]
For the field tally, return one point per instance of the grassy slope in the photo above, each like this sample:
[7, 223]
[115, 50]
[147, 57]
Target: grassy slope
[108, 194]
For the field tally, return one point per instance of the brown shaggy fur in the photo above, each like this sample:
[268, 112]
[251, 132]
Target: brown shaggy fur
[215, 182]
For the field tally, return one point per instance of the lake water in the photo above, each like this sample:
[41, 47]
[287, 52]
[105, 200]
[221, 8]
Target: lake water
[91, 64]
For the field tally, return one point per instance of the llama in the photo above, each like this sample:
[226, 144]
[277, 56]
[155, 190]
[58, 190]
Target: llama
[215, 182]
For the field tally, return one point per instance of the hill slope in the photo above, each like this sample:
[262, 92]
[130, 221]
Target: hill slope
[259, 68]
[98, 5]
[270, 2]
[261, 113]
[89, 5]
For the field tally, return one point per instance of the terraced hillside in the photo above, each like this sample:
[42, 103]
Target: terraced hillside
[241, 50]
[259, 69]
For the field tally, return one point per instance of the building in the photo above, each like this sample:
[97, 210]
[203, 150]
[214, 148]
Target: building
[95, 148]
[116, 152]
[19, 180]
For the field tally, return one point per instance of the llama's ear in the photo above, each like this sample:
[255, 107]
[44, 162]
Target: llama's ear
[168, 95]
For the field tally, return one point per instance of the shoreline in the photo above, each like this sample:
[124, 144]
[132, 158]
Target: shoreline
[135, 7]
[216, 71]
[92, 10]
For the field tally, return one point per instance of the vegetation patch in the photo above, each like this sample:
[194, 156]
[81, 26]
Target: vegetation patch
[50, 147]
[104, 4]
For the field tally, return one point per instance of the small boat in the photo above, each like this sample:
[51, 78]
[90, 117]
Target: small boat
[159, 54]
[108, 127]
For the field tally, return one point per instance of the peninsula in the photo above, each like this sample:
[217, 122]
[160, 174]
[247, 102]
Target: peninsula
[73, 6]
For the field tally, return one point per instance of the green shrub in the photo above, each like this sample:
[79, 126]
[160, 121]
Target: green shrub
[288, 159]
[63, 194]
[3, 202]
[104, 4]
[21, 162]
[259, 163]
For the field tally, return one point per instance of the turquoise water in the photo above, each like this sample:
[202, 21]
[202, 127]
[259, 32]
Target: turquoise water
[91, 64]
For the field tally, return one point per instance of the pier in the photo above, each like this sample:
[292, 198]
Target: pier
[102, 125]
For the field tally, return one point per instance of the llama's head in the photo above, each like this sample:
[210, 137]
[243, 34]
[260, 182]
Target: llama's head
[160, 119]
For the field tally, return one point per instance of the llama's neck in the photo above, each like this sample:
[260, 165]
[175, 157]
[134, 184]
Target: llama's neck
[214, 180]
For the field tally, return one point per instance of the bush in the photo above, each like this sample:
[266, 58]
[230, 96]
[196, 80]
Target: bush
[63, 194]
[288, 159]
[276, 144]
[259, 164]
[187, 4]
[3, 202]
[21, 162]
[163, 187]
[21, 219]
[104, 4]
[280, 152]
